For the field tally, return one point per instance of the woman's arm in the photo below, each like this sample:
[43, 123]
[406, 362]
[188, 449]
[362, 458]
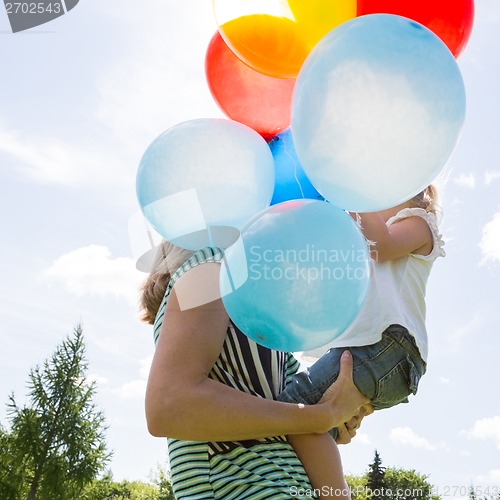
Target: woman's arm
[410, 235]
[182, 402]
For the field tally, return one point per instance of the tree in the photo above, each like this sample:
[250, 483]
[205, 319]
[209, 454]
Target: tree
[125, 490]
[10, 473]
[376, 475]
[106, 489]
[357, 486]
[389, 483]
[162, 481]
[57, 441]
[407, 484]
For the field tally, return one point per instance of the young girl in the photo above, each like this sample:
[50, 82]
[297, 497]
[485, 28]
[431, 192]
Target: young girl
[388, 339]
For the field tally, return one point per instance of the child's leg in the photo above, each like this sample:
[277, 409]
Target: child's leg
[321, 460]
[369, 367]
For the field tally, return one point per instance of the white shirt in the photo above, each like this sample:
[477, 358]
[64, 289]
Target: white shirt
[396, 294]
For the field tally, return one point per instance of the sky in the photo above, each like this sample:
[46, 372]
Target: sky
[81, 99]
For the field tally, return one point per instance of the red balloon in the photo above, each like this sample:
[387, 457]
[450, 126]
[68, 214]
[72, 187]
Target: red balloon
[244, 95]
[451, 20]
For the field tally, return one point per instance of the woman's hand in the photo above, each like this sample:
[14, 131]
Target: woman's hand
[343, 401]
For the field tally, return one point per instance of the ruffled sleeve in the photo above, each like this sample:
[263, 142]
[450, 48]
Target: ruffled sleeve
[430, 218]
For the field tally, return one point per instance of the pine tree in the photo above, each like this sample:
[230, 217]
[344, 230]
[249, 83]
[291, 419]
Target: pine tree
[376, 475]
[58, 439]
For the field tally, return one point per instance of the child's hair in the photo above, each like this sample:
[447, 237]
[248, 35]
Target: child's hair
[428, 199]
[167, 260]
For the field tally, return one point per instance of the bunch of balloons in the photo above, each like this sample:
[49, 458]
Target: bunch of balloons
[332, 106]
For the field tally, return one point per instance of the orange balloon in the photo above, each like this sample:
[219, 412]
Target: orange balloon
[271, 45]
[274, 37]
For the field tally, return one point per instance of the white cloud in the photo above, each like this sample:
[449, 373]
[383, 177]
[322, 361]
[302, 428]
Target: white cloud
[144, 95]
[45, 161]
[486, 485]
[444, 380]
[490, 176]
[99, 380]
[153, 86]
[92, 271]
[153, 82]
[135, 389]
[490, 241]
[405, 436]
[493, 477]
[145, 364]
[50, 160]
[486, 429]
[363, 439]
[466, 180]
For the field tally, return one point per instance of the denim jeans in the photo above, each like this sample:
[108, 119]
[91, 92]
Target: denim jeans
[386, 372]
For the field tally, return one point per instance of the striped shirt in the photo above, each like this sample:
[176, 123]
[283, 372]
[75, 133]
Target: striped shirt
[254, 469]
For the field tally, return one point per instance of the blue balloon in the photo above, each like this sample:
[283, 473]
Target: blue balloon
[291, 181]
[378, 108]
[297, 277]
[201, 180]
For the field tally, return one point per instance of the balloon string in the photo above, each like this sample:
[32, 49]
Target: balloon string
[293, 160]
[210, 238]
[229, 277]
[212, 245]
[148, 232]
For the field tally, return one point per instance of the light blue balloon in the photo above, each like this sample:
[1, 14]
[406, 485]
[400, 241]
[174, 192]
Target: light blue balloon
[298, 275]
[199, 181]
[291, 181]
[378, 108]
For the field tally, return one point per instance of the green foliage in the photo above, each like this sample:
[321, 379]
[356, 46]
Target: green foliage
[358, 486]
[10, 472]
[410, 484]
[107, 489]
[161, 479]
[388, 483]
[56, 444]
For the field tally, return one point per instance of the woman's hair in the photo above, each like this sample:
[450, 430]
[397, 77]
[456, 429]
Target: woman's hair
[167, 260]
[428, 199]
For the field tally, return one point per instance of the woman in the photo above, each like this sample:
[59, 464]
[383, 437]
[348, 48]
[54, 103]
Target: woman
[212, 391]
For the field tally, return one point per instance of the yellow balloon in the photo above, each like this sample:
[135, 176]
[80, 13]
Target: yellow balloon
[274, 37]
[316, 18]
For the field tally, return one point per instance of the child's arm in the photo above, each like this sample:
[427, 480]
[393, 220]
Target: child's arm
[321, 460]
[410, 235]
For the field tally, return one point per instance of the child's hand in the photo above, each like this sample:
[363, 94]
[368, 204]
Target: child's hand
[349, 429]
